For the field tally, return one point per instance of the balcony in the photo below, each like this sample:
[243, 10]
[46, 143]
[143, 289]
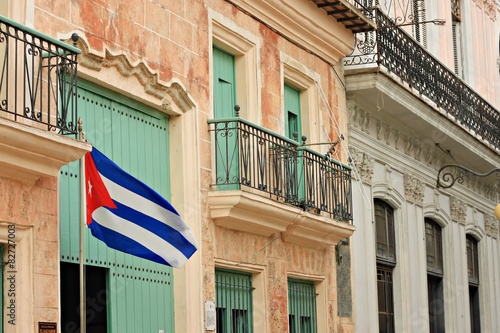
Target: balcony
[392, 51]
[37, 78]
[262, 178]
[37, 103]
[353, 14]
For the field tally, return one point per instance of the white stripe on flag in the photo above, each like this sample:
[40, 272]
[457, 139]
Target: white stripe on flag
[147, 207]
[143, 236]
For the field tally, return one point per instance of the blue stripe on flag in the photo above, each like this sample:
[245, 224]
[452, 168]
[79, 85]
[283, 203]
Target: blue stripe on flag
[159, 228]
[122, 243]
[113, 172]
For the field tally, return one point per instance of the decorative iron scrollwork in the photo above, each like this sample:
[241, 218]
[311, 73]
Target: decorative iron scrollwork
[451, 174]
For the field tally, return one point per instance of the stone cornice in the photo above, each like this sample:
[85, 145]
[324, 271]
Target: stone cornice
[27, 153]
[249, 212]
[302, 22]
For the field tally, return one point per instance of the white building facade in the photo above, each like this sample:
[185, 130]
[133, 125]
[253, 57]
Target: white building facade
[422, 96]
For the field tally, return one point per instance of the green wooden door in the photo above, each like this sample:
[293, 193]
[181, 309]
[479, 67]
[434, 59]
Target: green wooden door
[226, 135]
[294, 172]
[139, 295]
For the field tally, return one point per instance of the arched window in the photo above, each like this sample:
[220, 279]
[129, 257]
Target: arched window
[434, 249]
[386, 261]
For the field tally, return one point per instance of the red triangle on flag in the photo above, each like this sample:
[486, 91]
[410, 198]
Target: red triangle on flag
[96, 192]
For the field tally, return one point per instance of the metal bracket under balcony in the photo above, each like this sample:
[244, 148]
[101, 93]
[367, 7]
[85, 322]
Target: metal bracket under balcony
[353, 14]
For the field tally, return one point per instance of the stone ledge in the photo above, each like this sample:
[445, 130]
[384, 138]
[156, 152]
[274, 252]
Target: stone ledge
[249, 212]
[28, 153]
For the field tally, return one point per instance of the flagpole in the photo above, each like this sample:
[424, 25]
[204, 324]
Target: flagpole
[83, 305]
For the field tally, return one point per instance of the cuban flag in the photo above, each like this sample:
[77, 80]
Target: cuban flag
[129, 216]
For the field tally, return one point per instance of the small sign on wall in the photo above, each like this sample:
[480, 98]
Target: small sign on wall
[47, 327]
[210, 315]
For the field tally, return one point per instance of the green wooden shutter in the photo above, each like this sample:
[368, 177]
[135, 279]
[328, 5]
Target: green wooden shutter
[293, 118]
[226, 132]
[301, 306]
[224, 84]
[294, 172]
[140, 292]
[233, 302]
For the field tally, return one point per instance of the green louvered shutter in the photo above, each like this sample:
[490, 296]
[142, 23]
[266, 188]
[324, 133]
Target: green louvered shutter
[139, 292]
[233, 302]
[226, 132]
[301, 306]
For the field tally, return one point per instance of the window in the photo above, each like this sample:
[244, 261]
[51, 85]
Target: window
[386, 260]
[385, 299]
[419, 16]
[224, 84]
[233, 302]
[456, 37]
[226, 132]
[293, 125]
[300, 100]
[241, 44]
[301, 306]
[384, 230]
[434, 249]
[473, 273]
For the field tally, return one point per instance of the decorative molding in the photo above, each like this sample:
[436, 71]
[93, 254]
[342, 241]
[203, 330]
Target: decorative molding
[28, 153]
[256, 214]
[414, 190]
[359, 118]
[171, 97]
[490, 8]
[304, 23]
[491, 226]
[364, 165]
[458, 210]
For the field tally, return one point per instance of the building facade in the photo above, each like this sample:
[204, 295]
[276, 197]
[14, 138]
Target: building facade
[235, 111]
[423, 99]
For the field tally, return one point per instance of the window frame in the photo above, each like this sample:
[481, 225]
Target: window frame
[300, 308]
[229, 325]
[472, 257]
[391, 258]
[435, 280]
[301, 78]
[231, 38]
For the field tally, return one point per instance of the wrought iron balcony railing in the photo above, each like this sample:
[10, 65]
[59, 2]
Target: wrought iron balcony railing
[394, 50]
[253, 157]
[37, 78]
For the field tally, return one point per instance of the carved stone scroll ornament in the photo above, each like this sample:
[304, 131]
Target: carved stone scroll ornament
[414, 190]
[491, 226]
[458, 210]
[364, 164]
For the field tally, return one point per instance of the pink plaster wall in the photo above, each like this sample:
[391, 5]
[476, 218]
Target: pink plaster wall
[36, 206]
